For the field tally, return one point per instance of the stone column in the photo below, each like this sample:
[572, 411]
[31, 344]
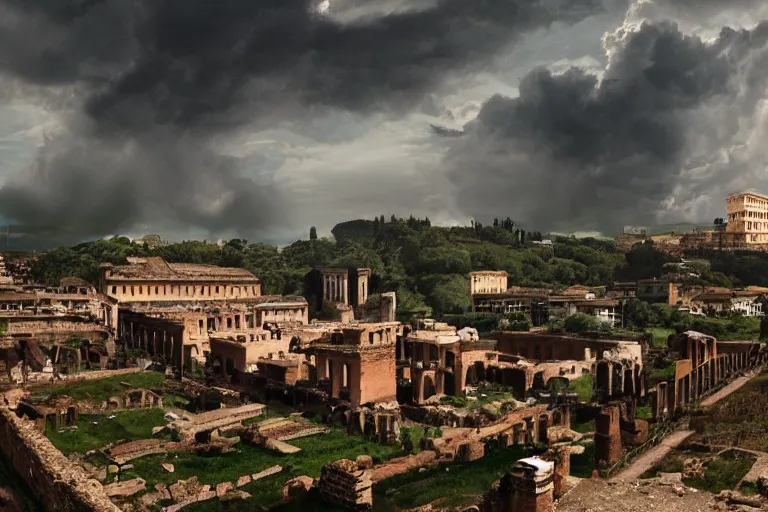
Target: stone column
[337, 375]
[345, 290]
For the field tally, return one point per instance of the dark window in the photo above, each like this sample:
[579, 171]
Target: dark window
[114, 290]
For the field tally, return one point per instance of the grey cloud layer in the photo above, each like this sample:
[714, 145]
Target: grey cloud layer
[666, 127]
[145, 87]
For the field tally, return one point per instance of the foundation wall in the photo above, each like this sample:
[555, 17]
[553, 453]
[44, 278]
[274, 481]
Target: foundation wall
[59, 484]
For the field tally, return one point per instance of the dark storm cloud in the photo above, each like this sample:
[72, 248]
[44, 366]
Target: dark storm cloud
[150, 85]
[700, 12]
[575, 151]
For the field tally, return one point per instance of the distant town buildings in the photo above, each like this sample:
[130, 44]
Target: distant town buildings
[5, 278]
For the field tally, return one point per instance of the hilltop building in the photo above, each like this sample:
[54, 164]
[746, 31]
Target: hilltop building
[5, 278]
[745, 226]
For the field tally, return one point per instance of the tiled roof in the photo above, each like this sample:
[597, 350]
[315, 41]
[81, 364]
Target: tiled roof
[155, 268]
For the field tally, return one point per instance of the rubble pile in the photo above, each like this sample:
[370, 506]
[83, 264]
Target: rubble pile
[344, 483]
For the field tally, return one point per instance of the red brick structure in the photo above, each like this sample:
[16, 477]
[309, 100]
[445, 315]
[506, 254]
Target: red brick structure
[532, 482]
[608, 448]
[561, 455]
[359, 361]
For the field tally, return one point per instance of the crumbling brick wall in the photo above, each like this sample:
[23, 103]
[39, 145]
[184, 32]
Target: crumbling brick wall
[343, 483]
[59, 483]
[608, 449]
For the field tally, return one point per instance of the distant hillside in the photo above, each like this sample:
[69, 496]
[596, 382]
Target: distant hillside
[427, 266]
[682, 227]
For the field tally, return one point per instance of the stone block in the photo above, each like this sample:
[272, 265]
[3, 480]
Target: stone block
[223, 488]
[364, 461]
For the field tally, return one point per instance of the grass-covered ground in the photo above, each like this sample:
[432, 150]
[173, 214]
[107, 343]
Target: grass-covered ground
[453, 484]
[659, 336]
[97, 430]
[244, 460]
[583, 386]
[740, 419]
[721, 473]
[99, 390]
[583, 464]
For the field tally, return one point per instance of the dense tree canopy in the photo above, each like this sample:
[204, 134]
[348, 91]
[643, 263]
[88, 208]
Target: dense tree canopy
[427, 266]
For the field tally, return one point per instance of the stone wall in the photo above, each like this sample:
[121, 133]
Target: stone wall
[378, 376]
[59, 483]
[50, 325]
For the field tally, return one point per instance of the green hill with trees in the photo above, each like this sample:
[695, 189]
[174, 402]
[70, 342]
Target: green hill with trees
[426, 265]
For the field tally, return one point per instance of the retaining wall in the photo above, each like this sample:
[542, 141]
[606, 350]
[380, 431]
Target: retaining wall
[59, 484]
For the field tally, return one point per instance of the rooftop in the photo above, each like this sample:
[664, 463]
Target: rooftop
[155, 268]
[748, 193]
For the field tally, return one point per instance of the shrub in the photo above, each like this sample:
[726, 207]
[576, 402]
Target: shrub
[581, 323]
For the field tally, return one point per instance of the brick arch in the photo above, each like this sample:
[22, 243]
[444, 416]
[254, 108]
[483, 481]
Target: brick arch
[429, 388]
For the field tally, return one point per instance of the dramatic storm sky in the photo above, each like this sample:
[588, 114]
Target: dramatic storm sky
[259, 118]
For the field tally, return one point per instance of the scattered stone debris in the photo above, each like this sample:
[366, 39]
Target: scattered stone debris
[125, 488]
[168, 467]
[297, 487]
[267, 472]
[223, 488]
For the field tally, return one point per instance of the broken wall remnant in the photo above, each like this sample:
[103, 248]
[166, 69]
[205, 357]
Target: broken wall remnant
[345, 484]
[59, 413]
[60, 484]
[608, 448]
[388, 307]
[531, 483]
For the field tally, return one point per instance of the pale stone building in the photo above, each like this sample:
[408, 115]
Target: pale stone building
[748, 217]
[153, 279]
[5, 278]
[488, 282]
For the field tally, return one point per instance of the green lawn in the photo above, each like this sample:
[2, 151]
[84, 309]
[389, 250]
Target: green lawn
[97, 430]
[316, 452]
[585, 427]
[583, 464]
[457, 484]
[644, 413]
[660, 335]
[722, 473]
[583, 386]
[100, 390]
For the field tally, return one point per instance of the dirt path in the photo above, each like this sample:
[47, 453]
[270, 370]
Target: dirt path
[727, 390]
[647, 460]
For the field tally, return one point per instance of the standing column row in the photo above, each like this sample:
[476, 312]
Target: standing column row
[335, 288]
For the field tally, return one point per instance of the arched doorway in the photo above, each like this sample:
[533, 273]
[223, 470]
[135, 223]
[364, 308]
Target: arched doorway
[518, 383]
[618, 380]
[429, 387]
[602, 382]
[475, 374]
